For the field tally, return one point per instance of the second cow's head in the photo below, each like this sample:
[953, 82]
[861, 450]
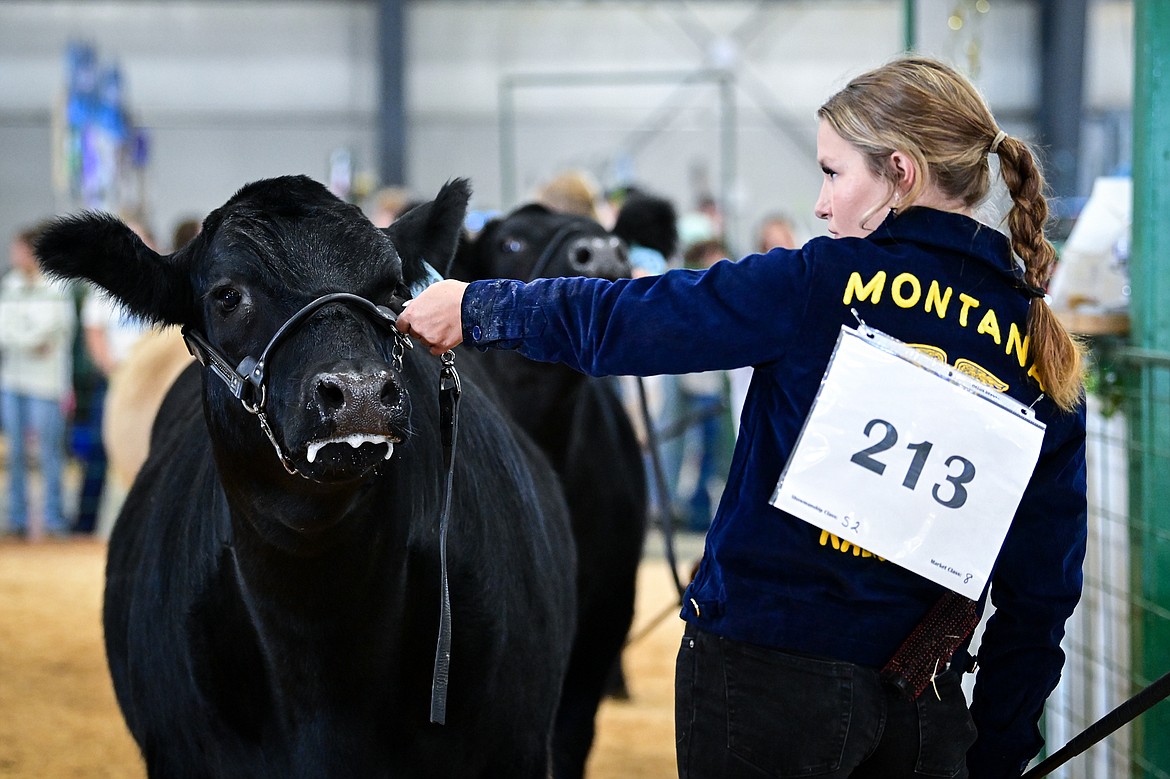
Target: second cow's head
[535, 242]
[331, 395]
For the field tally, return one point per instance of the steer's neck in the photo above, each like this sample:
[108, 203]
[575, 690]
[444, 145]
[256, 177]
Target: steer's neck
[347, 564]
[287, 519]
[333, 623]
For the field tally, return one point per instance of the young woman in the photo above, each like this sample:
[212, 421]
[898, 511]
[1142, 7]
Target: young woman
[788, 628]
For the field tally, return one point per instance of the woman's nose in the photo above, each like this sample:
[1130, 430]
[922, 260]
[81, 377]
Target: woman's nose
[821, 209]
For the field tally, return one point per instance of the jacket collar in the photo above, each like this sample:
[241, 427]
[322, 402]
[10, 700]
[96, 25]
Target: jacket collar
[951, 232]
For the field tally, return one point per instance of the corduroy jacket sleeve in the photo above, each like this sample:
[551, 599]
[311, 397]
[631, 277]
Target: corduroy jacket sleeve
[1035, 587]
[731, 315]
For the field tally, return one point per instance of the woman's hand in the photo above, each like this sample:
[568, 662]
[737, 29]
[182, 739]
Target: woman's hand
[435, 316]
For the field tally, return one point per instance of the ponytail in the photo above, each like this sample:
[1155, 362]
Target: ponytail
[1057, 357]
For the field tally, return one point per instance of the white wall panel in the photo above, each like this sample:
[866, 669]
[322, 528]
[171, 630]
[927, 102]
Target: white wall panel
[234, 90]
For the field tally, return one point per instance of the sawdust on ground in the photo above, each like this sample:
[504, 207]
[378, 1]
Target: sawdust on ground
[59, 718]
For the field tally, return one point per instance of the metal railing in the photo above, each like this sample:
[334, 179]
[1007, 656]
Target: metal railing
[1115, 644]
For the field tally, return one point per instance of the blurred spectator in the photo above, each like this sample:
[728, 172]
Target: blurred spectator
[704, 254]
[704, 223]
[37, 322]
[775, 232]
[648, 225]
[574, 192]
[387, 204]
[616, 197]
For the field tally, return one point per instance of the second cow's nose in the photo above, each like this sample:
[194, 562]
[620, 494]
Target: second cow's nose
[596, 256]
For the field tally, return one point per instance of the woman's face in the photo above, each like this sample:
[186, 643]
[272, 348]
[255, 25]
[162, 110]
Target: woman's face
[849, 190]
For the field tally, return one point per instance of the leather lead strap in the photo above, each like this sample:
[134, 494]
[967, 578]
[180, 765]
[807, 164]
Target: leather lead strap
[1122, 715]
[449, 392]
[666, 514]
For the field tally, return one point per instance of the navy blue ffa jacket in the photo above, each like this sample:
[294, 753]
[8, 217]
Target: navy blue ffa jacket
[929, 278]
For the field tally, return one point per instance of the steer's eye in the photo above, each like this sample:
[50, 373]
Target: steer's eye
[227, 298]
[511, 246]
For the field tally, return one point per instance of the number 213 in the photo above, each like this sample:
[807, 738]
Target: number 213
[865, 458]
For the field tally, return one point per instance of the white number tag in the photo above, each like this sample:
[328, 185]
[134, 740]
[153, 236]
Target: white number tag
[911, 460]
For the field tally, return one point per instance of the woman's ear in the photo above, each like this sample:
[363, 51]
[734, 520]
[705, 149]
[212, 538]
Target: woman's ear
[905, 173]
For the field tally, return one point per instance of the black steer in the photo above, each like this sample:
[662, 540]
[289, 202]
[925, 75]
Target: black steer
[273, 601]
[581, 425]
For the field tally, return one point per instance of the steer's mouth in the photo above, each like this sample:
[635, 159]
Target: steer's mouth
[347, 457]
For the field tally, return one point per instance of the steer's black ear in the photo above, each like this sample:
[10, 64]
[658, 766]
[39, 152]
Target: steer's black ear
[430, 232]
[104, 250]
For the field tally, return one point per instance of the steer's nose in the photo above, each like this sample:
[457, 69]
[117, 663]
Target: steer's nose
[357, 394]
[605, 257]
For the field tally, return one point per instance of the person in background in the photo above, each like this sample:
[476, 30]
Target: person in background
[649, 226]
[788, 631]
[575, 192]
[775, 232]
[387, 204]
[703, 223]
[615, 197]
[36, 329]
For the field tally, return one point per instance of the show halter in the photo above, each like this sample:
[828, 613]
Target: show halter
[247, 383]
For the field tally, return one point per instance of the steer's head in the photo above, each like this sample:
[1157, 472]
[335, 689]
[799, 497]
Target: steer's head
[534, 242]
[327, 387]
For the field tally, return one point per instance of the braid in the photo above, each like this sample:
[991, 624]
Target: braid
[1056, 355]
[1029, 211]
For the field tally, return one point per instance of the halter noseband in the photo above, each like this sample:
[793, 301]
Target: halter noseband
[246, 381]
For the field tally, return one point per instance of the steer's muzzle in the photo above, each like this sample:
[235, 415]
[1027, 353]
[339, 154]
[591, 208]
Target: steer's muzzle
[357, 412]
[352, 397]
[600, 256]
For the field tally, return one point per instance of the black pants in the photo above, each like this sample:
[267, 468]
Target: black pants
[746, 711]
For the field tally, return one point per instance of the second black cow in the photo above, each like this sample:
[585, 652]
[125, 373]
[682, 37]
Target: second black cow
[581, 424]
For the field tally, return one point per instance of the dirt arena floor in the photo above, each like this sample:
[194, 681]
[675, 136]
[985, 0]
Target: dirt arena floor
[58, 717]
